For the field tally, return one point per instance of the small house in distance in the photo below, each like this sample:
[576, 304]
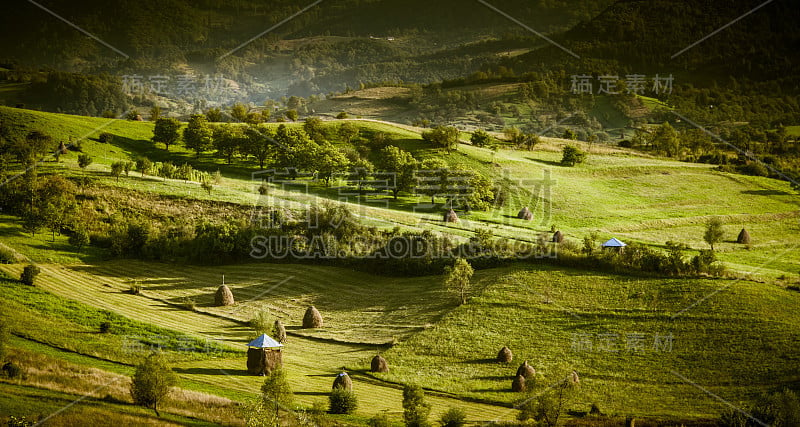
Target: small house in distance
[614, 245]
[263, 355]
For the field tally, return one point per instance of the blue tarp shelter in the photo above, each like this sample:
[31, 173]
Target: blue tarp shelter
[613, 243]
[264, 341]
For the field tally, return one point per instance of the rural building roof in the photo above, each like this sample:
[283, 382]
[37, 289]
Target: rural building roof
[264, 341]
[614, 243]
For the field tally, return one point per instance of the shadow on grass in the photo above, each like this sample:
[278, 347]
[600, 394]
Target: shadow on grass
[482, 361]
[544, 162]
[766, 192]
[211, 371]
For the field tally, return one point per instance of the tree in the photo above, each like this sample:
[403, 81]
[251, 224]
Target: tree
[198, 136]
[144, 165]
[569, 134]
[155, 113]
[314, 129]
[714, 232]
[401, 165]
[214, 115]
[291, 115]
[259, 141]
[362, 169]
[432, 178]
[328, 161]
[294, 149]
[56, 202]
[4, 335]
[665, 140]
[348, 132]
[152, 382]
[415, 409]
[443, 136]
[480, 138]
[342, 401]
[228, 140]
[84, 160]
[207, 185]
[29, 274]
[116, 169]
[185, 172]
[166, 131]
[277, 391]
[454, 417]
[79, 238]
[571, 156]
[239, 112]
[548, 407]
[457, 279]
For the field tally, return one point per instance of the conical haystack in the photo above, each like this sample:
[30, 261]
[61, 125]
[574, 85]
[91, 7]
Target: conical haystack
[525, 214]
[450, 216]
[343, 381]
[558, 237]
[744, 237]
[379, 364]
[505, 355]
[526, 370]
[262, 361]
[573, 378]
[279, 331]
[518, 385]
[62, 148]
[223, 297]
[312, 318]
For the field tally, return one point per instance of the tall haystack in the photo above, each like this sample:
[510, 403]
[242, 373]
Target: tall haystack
[450, 216]
[526, 370]
[343, 381]
[744, 237]
[62, 148]
[262, 361]
[525, 214]
[558, 236]
[573, 378]
[279, 331]
[379, 364]
[518, 385]
[312, 318]
[223, 297]
[505, 355]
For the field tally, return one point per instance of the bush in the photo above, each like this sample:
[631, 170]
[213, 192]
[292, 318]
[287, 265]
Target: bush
[12, 370]
[342, 401]
[152, 382]
[105, 137]
[379, 420]
[571, 156]
[105, 327]
[415, 410]
[261, 322]
[29, 274]
[454, 417]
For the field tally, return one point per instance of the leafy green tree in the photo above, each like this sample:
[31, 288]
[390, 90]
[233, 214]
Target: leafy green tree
[571, 155]
[362, 169]
[415, 409]
[214, 115]
[481, 138]
[342, 401]
[480, 192]
[198, 135]
[4, 336]
[239, 112]
[166, 131]
[259, 141]
[665, 140]
[29, 274]
[228, 140]
[328, 161]
[314, 129]
[348, 132]
[155, 113]
[714, 232]
[144, 165]
[454, 417]
[548, 407]
[443, 136]
[185, 172]
[292, 115]
[84, 160]
[79, 238]
[294, 149]
[569, 134]
[276, 391]
[152, 382]
[457, 279]
[432, 178]
[401, 164]
[116, 169]
[56, 202]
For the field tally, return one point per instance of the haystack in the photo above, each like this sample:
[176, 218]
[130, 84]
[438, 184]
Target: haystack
[62, 148]
[262, 361]
[379, 364]
[505, 355]
[223, 297]
[526, 370]
[343, 381]
[525, 214]
[312, 318]
[573, 378]
[558, 237]
[518, 385]
[279, 331]
[450, 216]
[744, 237]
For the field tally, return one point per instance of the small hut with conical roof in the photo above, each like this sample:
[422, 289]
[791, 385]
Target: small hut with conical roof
[263, 355]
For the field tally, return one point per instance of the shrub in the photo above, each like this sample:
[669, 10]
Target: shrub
[342, 401]
[415, 409]
[29, 274]
[343, 115]
[152, 382]
[261, 321]
[105, 327]
[454, 417]
[571, 156]
[188, 303]
[379, 420]
[105, 137]
[12, 370]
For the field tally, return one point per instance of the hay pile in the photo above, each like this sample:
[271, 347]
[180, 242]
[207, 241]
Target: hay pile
[573, 378]
[223, 297]
[518, 385]
[450, 216]
[379, 364]
[525, 214]
[558, 237]
[343, 381]
[312, 318]
[505, 355]
[279, 331]
[526, 371]
[262, 361]
[744, 237]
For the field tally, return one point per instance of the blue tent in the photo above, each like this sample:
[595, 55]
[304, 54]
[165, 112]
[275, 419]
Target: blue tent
[264, 341]
[614, 243]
